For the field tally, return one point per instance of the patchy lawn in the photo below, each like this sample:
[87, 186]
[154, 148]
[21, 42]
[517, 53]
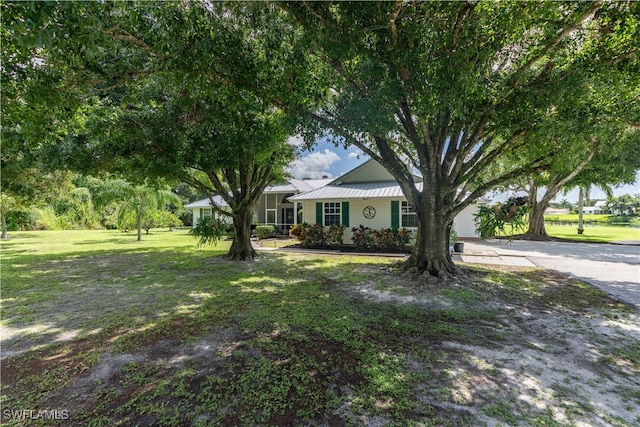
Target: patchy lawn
[98, 329]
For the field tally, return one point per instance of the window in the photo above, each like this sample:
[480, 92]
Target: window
[332, 213]
[409, 217]
[271, 204]
[271, 216]
[206, 213]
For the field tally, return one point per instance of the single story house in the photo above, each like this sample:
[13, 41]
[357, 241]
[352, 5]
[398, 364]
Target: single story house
[599, 208]
[273, 207]
[367, 195]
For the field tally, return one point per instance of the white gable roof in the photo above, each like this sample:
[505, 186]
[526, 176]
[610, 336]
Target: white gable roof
[369, 171]
[354, 191]
[369, 180]
[206, 203]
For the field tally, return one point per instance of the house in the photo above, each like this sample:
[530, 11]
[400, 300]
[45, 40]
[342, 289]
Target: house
[202, 208]
[367, 195]
[599, 208]
[273, 207]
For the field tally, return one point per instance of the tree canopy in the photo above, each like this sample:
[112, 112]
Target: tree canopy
[453, 88]
[450, 89]
[157, 100]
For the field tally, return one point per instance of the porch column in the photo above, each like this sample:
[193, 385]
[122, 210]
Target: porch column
[295, 213]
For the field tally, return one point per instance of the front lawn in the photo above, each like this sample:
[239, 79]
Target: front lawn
[595, 233]
[109, 331]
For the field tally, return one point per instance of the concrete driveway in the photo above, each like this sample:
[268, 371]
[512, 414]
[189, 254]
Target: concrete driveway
[613, 268]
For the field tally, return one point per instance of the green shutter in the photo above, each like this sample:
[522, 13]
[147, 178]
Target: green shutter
[319, 213]
[201, 214]
[345, 214]
[395, 214]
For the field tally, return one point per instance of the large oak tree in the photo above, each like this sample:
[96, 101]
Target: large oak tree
[163, 91]
[452, 88]
[448, 88]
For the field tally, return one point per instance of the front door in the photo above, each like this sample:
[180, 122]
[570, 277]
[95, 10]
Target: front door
[287, 215]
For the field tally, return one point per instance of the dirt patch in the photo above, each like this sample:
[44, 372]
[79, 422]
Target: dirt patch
[523, 347]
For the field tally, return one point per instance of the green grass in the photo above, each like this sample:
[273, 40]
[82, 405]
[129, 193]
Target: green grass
[595, 233]
[593, 218]
[286, 340]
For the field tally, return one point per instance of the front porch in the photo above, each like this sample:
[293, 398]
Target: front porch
[274, 209]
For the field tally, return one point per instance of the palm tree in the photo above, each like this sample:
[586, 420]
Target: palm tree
[142, 199]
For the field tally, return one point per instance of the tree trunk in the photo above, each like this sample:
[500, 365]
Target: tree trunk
[4, 235]
[139, 224]
[580, 210]
[536, 229]
[241, 248]
[431, 250]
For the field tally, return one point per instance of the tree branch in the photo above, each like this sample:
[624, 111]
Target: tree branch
[127, 37]
[595, 6]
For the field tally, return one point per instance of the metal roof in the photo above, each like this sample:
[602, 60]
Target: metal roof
[297, 186]
[206, 203]
[354, 191]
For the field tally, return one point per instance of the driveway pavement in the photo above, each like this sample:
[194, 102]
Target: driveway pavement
[612, 268]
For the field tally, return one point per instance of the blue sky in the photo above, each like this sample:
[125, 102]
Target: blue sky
[325, 159]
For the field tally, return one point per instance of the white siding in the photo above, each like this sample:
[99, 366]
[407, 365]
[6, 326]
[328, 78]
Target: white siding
[196, 216]
[382, 219]
[465, 226]
[370, 171]
[464, 223]
[308, 212]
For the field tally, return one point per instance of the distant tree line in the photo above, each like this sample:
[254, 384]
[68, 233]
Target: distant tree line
[87, 202]
[626, 205]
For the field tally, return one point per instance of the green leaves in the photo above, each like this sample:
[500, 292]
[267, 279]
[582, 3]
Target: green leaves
[209, 231]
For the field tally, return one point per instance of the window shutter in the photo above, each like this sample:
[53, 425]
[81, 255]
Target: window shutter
[395, 214]
[201, 214]
[345, 214]
[319, 213]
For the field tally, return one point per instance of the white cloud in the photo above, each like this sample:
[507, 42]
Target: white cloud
[355, 154]
[315, 165]
[295, 140]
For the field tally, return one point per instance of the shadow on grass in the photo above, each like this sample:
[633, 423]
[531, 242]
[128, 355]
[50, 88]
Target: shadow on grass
[172, 336]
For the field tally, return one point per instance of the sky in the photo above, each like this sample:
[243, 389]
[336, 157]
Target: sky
[327, 160]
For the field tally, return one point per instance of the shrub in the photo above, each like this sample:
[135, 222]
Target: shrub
[310, 236]
[299, 231]
[453, 235]
[362, 238]
[384, 238]
[365, 239]
[403, 237]
[335, 234]
[160, 218]
[22, 219]
[314, 237]
[265, 231]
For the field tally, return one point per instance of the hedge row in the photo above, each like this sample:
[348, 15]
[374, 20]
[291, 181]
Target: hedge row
[363, 238]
